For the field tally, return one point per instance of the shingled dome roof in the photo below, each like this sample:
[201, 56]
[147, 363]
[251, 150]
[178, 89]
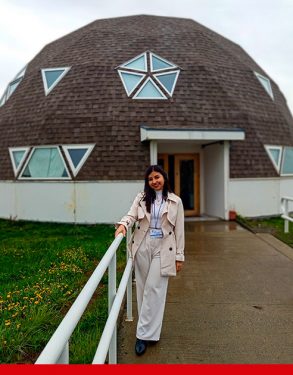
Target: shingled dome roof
[86, 95]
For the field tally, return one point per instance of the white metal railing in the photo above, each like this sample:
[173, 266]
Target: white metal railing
[57, 349]
[285, 212]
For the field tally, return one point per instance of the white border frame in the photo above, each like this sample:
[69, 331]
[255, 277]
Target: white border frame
[44, 178]
[177, 72]
[133, 73]
[283, 159]
[11, 150]
[259, 77]
[74, 169]
[44, 70]
[164, 60]
[6, 95]
[280, 148]
[150, 98]
[133, 59]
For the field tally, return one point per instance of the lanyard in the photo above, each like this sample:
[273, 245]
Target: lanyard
[157, 217]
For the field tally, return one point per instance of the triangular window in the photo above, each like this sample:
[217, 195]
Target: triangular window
[287, 165]
[168, 80]
[51, 77]
[266, 84]
[149, 90]
[275, 154]
[158, 63]
[137, 63]
[77, 155]
[12, 86]
[45, 163]
[17, 156]
[130, 80]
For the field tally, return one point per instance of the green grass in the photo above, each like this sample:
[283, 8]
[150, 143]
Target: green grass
[43, 267]
[273, 225]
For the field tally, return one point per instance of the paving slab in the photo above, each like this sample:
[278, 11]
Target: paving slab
[232, 303]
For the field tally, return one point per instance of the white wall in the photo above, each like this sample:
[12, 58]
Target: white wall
[215, 180]
[73, 202]
[258, 197]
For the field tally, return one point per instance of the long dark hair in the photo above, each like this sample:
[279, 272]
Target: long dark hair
[150, 194]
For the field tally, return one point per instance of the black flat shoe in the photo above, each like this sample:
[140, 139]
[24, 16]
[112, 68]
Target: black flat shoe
[152, 342]
[140, 346]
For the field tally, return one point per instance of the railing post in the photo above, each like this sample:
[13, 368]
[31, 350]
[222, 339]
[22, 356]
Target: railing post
[129, 316]
[286, 209]
[64, 356]
[111, 296]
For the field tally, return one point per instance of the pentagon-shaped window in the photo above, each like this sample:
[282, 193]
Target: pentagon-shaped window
[140, 80]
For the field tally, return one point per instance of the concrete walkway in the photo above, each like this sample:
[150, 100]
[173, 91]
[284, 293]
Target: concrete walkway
[232, 303]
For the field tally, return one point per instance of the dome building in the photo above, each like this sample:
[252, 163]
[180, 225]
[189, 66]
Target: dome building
[82, 121]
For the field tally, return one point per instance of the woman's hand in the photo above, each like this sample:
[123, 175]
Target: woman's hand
[179, 265]
[121, 229]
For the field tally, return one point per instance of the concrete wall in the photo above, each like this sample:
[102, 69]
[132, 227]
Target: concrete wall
[258, 197]
[72, 202]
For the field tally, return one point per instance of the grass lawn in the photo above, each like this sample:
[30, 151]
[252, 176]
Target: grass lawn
[273, 225]
[43, 267]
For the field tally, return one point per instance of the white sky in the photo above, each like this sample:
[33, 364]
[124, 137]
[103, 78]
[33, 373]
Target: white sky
[264, 28]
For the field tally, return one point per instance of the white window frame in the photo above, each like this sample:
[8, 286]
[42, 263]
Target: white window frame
[44, 178]
[133, 73]
[6, 95]
[175, 81]
[270, 91]
[11, 150]
[133, 59]
[280, 148]
[74, 169]
[164, 60]
[149, 98]
[283, 160]
[44, 70]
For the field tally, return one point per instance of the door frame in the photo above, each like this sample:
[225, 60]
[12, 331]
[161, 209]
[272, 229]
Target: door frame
[196, 177]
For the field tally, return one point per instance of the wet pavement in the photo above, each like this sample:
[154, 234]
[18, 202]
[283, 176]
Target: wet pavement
[232, 303]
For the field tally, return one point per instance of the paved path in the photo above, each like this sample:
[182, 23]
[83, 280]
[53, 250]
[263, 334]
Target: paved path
[232, 303]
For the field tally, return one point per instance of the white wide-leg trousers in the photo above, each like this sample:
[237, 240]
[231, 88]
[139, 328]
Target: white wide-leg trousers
[151, 289]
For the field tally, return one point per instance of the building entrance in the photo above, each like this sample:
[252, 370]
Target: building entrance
[183, 172]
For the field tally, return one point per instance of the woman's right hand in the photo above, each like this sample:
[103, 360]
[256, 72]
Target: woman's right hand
[121, 229]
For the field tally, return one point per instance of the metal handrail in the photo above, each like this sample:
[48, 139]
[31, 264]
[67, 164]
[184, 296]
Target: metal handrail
[57, 349]
[285, 212]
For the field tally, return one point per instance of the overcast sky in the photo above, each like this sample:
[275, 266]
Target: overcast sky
[264, 28]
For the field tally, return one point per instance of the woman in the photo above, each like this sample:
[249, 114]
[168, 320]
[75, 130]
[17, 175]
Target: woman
[157, 249]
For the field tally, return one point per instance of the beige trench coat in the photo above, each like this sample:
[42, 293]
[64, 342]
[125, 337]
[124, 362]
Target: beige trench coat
[172, 227]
